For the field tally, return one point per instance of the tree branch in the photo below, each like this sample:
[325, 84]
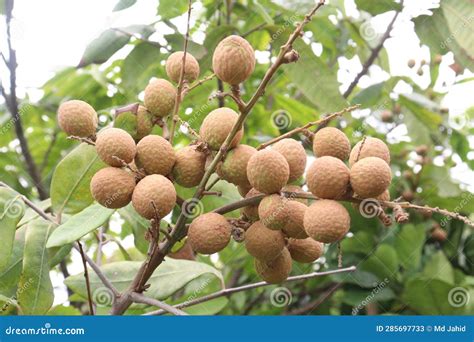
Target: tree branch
[373, 56]
[86, 276]
[139, 298]
[227, 292]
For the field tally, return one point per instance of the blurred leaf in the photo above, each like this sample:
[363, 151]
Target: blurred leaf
[409, 244]
[172, 8]
[123, 4]
[61, 310]
[421, 108]
[10, 276]
[79, 225]
[362, 242]
[377, 7]
[383, 262]
[138, 225]
[30, 214]
[70, 191]
[168, 278]
[439, 267]
[256, 6]
[210, 307]
[35, 291]
[369, 96]
[103, 47]
[12, 210]
[459, 15]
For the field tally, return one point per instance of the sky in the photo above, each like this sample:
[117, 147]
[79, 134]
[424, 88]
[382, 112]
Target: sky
[50, 35]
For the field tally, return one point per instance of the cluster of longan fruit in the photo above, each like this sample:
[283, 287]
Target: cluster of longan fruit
[142, 168]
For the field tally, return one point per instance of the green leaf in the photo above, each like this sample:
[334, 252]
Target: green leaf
[383, 262]
[430, 297]
[31, 215]
[168, 9]
[12, 209]
[422, 109]
[123, 4]
[459, 15]
[138, 225]
[377, 7]
[315, 80]
[79, 225]
[70, 184]
[103, 47]
[369, 96]
[409, 245]
[256, 6]
[439, 267]
[35, 290]
[10, 276]
[362, 242]
[169, 277]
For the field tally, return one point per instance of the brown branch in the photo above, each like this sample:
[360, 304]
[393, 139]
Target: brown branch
[86, 276]
[12, 105]
[198, 83]
[227, 292]
[373, 56]
[301, 129]
[179, 92]
[139, 298]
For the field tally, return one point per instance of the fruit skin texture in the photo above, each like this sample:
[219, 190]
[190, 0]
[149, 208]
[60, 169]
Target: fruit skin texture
[144, 123]
[115, 142]
[157, 189]
[370, 177]
[326, 221]
[217, 125]
[251, 211]
[268, 171]
[160, 96]
[331, 141]
[77, 118]
[234, 167]
[294, 226]
[189, 167]
[155, 155]
[294, 154]
[112, 187]
[373, 147]
[174, 65]
[292, 191]
[263, 243]
[233, 60]
[209, 233]
[305, 250]
[328, 177]
[273, 211]
[275, 271]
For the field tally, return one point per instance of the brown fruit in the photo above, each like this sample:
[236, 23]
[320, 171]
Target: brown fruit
[244, 189]
[216, 127]
[386, 116]
[331, 141]
[154, 191]
[294, 226]
[189, 167]
[184, 253]
[370, 177]
[305, 250]
[439, 234]
[292, 191]
[397, 108]
[209, 233]
[144, 123]
[372, 147]
[251, 211]
[174, 64]
[112, 187]
[273, 211]
[115, 142]
[155, 155]
[77, 118]
[234, 167]
[234, 60]
[326, 221]
[328, 178]
[263, 243]
[276, 270]
[408, 195]
[437, 59]
[160, 97]
[411, 63]
[295, 155]
[268, 171]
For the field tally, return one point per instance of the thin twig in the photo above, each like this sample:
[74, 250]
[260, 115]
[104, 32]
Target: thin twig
[308, 125]
[86, 276]
[139, 298]
[198, 83]
[227, 292]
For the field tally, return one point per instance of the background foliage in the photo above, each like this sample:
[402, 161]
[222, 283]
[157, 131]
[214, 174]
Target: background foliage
[417, 270]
